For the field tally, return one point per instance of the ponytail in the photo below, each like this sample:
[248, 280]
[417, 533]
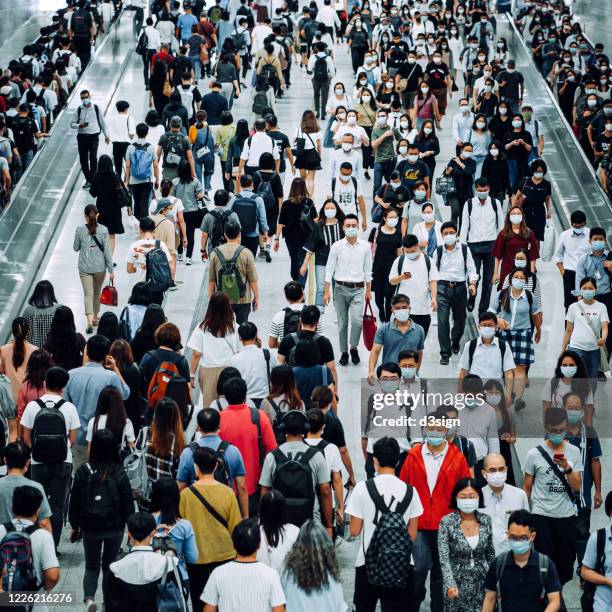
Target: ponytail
[91, 214]
[20, 330]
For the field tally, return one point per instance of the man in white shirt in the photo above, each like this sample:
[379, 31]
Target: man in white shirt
[165, 27]
[347, 153]
[573, 245]
[368, 500]
[254, 363]
[482, 220]
[462, 121]
[121, 131]
[346, 190]
[329, 18]
[415, 274]
[360, 136]
[500, 499]
[350, 265]
[153, 40]
[254, 146]
[259, 34]
[480, 83]
[53, 476]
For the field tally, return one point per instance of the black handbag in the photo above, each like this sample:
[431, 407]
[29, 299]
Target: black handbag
[123, 195]
[445, 185]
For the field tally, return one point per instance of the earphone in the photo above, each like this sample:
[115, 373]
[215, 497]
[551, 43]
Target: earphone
[281, 425]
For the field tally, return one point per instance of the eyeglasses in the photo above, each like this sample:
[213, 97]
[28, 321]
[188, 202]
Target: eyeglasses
[518, 538]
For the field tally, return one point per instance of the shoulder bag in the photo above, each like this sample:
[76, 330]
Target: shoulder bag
[604, 364]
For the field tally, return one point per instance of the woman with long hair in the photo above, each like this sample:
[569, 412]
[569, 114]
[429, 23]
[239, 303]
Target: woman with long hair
[310, 574]
[236, 144]
[203, 142]
[109, 326]
[480, 138]
[34, 382]
[429, 145]
[277, 533]
[14, 355]
[121, 352]
[91, 242]
[102, 536]
[144, 339]
[106, 187]
[514, 236]
[308, 145]
[366, 119]
[65, 344]
[156, 129]
[295, 222]
[159, 77]
[326, 231]
[495, 170]
[133, 312]
[39, 312]
[425, 107]
[110, 414]
[517, 143]
[213, 343]
[283, 395]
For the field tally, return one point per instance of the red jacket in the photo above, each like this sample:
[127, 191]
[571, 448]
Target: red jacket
[436, 504]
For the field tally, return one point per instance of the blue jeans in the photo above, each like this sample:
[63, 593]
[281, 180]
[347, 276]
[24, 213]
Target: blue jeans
[201, 175]
[320, 286]
[197, 66]
[479, 159]
[591, 363]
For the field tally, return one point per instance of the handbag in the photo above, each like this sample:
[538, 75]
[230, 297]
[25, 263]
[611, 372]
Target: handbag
[369, 326]
[445, 185]
[167, 89]
[305, 218]
[604, 364]
[109, 296]
[123, 195]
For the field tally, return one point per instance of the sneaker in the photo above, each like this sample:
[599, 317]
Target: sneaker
[455, 349]
[179, 257]
[519, 404]
[173, 286]
[90, 606]
[444, 360]
[343, 359]
[366, 176]
[261, 254]
[188, 261]
[206, 196]
[268, 256]
[87, 185]
[355, 356]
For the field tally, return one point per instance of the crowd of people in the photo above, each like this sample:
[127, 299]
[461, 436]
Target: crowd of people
[221, 450]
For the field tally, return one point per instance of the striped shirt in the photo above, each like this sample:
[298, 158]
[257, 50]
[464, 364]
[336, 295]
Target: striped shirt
[278, 322]
[537, 291]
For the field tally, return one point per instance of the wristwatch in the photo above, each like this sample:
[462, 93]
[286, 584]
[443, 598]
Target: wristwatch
[568, 471]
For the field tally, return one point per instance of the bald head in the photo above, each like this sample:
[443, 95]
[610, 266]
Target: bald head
[494, 461]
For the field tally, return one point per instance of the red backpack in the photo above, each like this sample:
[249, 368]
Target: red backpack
[164, 373]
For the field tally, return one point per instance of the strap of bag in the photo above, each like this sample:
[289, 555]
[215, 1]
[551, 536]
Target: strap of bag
[208, 507]
[266, 353]
[558, 473]
[324, 375]
[368, 308]
[95, 239]
[588, 320]
[376, 497]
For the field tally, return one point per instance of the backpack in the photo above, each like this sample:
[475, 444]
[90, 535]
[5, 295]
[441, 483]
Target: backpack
[469, 207]
[229, 279]
[291, 356]
[260, 102]
[246, 210]
[214, 13]
[472, 350]
[159, 276]
[387, 559]
[174, 152]
[293, 478]
[264, 191]
[140, 162]
[81, 22]
[500, 566]
[16, 558]
[187, 98]
[23, 134]
[587, 599]
[102, 502]
[268, 71]
[279, 432]
[49, 436]
[400, 267]
[124, 324]
[164, 373]
[170, 595]
[319, 72]
[222, 471]
[217, 235]
[291, 322]
[354, 181]
[143, 44]
[239, 41]
[27, 67]
[135, 466]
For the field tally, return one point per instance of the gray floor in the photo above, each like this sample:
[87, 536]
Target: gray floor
[181, 305]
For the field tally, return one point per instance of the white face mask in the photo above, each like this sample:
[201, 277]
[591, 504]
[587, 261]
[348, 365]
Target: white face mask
[466, 154]
[402, 314]
[538, 175]
[339, 91]
[503, 111]
[427, 130]
[396, 184]
[424, 89]
[366, 99]
[404, 124]
[347, 146]
[381, 121]
[450, 239]
[352, 120]
[437, 60]
[481, 125]
[494, 152]
[413, 158]
[516, 123]
[516, 219]
[345, 179]
[464, 108]
[351, 232]
[392, 221]
[330, 213]
[389, 84]
[402, 150]
[497, 479]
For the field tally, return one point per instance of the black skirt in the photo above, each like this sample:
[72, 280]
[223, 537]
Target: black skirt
[308, 159]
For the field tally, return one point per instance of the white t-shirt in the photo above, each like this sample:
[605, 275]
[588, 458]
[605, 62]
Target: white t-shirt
[274, 557]
[250, 361]
[71, 416]
[330, 452]
[137, 256]
[43, 553]
[346, 195]
[310, 139]
[121, 127]
[216, 352]
[358, 132]
[153, 38]
[583, 337]
[177, 207]
[556, 398]
[417, 286]
[154, 134]
[128, 430]
[360, 505]
[277, 327]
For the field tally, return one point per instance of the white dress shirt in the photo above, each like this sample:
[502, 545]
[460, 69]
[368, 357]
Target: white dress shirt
[255, 146]
[153, 38]
[499, 508]
[433, 464]
[328, 17]
[461, 125]
[351, 263]
[251, 363]
[121, 128]
[572, 248]
[417, 286]
[452, 265]
[487, 362]
[480, 226]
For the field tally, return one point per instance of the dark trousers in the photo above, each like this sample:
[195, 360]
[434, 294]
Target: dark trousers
[296, 255]
[96, 559]
[82, 46]
[367, 596]
[569, 282]
[382, 296]
[321, 91]
[254, 504]
[242, 312]
[199, 573]
[141, 194]
[357, 56]
[583, 531]
[55, 480]
[146, 63]
[556, 538]
[482, 253]
[119, 149]
[88, 154]
[456, 205]
[426, 560]
[193, 220]
[423, 320]
[451, 299]
[251, 243]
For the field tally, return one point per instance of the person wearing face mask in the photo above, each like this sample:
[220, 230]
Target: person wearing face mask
[370, 71]
[462, 122]
[534, 571]
[566, 93]
[357, 38]
[462, 169]
[428, 231]
[573, 244]
[346, 153]
[408, 79]
[413, 210]
[366, 111]
[429, 145]
[511, 86]
[433, 467]
[438, 76]
[455, 438]
[586, 440]
[392, 194]
[495, 170]
[518, 144]
[480, 139]
[521, 262]
[415, 275]
[383, 139]
[350, 266]
[413, 171]
[469, 56]
[360, 136]
[346, 190]
[479, 84]
[321, 69]
[425, 107]
[584, 116]
[458, 275]
[602, 142]
[553, 475]
[534, 127]
[339, 100]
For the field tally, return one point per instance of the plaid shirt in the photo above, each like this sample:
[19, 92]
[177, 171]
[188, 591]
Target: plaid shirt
[161, 467]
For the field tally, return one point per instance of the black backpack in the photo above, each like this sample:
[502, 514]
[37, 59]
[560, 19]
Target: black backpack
[239, 41]
[319, 72]
[260, 102]
[291, 322]
[293, 478]
[81, 23]
[296, 339]
[49, 436]
[279, 432]
[101, 506]
[222, 471]
[159, 276]
[217, 235]
[246, 209]
[265, 192]
[23, 134]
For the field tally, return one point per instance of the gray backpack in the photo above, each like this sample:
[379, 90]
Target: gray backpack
[135, 466]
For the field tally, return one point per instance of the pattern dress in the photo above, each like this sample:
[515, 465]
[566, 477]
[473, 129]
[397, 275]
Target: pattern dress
[462, 567]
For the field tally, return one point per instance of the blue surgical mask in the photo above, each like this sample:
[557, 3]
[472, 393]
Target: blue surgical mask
[408, 373]
[520, 263]
[468, 505]
[579, 230]
[556, 438]
[587, 294]
[519, 547]
[351, 232]
[518, 283]
[574, 416]
[402, 315]
[412, 256]
[598, 245]
[86, 101]
[568, 371]
[434, 438]
[420, 195]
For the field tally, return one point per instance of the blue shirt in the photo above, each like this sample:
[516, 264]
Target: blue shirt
[261, 212]
[518, 313]
[587, 442]
[183, 536]
[184, 23]
[232, 456]
[603, 594]
[593, 265]
[84, 387]
[394, 341]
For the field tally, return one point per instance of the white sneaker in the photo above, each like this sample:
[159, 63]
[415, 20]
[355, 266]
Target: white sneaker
[188, 261]
[179, 257]
[90, 606]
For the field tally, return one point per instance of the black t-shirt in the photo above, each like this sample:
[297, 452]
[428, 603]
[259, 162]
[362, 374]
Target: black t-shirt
[268, 177]
[333, 431]
[281, 142]
[396, 197]
[326, 350]
[518, 152]
[398, 54]
[512, 81]
[289, 218]
[436, 74]
[412, 72]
